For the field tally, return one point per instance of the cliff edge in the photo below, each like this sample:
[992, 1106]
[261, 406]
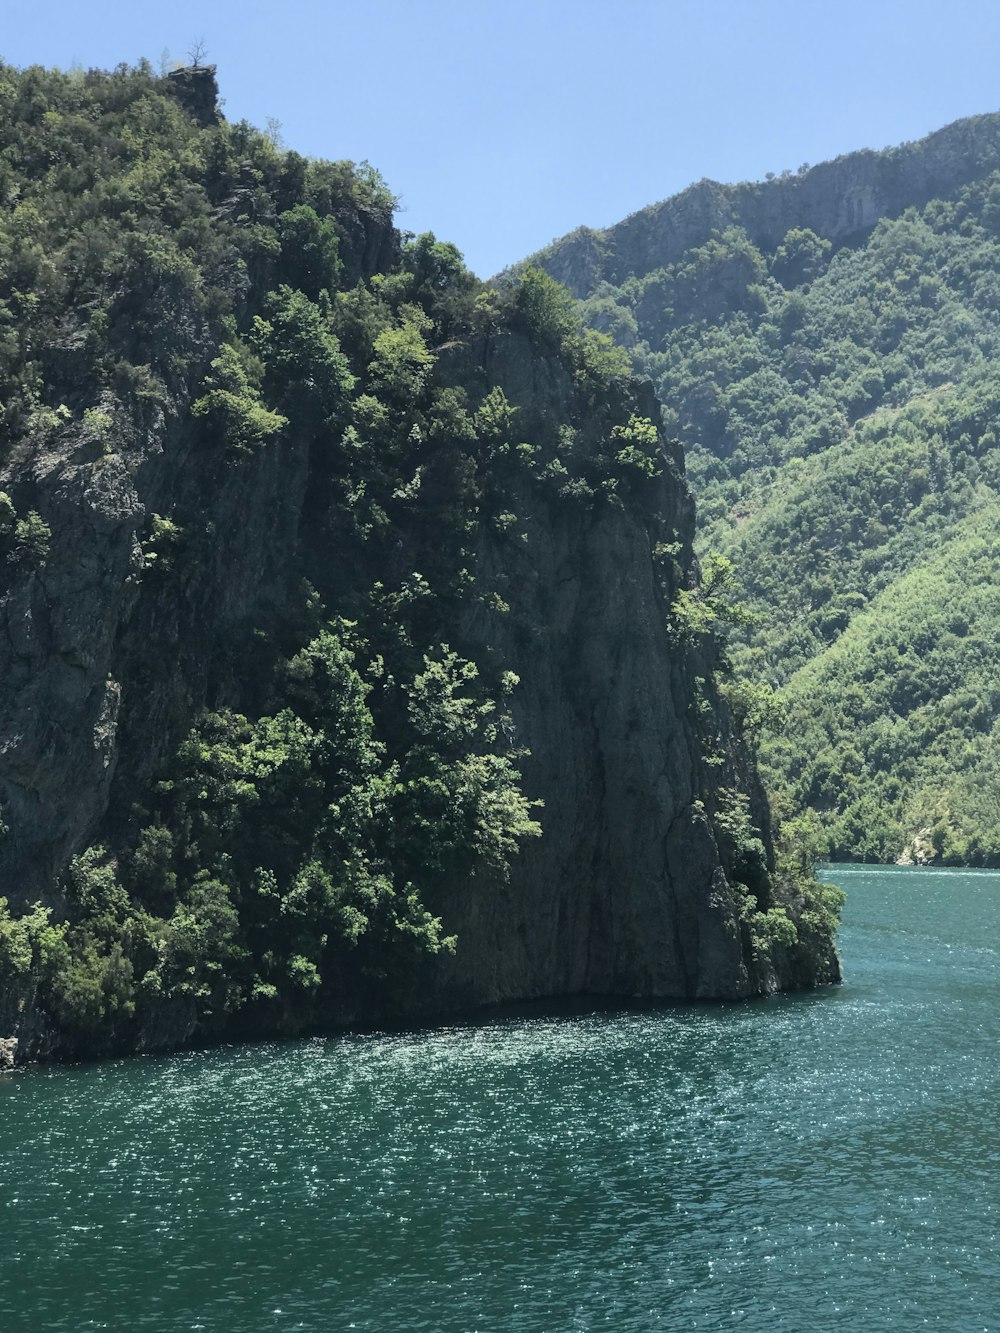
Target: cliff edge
[349, 656]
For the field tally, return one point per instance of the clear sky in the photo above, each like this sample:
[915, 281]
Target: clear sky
[505, 123]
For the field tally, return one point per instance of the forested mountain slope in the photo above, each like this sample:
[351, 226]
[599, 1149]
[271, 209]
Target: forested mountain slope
[827, 347]
[351, 657]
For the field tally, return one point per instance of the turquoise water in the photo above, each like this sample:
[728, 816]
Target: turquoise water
[822, 1162]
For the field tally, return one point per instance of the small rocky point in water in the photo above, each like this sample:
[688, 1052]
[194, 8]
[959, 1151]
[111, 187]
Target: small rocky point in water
[8, 1050]
[919, 851]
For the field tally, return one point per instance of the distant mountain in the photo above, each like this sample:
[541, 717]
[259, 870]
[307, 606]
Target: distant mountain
[840, 200]
[827, 347]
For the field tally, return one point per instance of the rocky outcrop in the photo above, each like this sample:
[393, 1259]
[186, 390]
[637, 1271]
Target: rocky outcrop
[837, 200]
[155, 560]
[626, 893]
[196, 89]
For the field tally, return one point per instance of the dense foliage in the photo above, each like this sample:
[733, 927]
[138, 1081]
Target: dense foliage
[838, 408]
[281, 857]
[285, 865]
[285, 858]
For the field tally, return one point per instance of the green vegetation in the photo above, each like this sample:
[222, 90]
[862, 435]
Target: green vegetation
[285, 864]
[892, 732]
[278, 859]
[838, 409]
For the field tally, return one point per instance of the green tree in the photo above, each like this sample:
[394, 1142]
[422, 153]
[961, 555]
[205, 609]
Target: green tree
[232, 404]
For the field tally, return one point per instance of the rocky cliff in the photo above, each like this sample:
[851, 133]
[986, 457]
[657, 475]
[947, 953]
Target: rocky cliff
[274, 473]
[626, 892]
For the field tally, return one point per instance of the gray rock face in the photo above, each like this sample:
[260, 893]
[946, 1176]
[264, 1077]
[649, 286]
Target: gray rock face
[95, 653]
[625, 893]
[104, 663]
[836, 200]
[59, 709]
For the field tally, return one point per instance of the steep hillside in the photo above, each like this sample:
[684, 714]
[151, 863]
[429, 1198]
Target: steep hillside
[355, 663]
[826, 345]
[891, 733]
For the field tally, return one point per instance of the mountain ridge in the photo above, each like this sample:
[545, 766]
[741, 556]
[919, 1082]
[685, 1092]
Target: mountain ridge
[837, 199]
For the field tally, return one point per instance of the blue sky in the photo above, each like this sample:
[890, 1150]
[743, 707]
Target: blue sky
[503, 123]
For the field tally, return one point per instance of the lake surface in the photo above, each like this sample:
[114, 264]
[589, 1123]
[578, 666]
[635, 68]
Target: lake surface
[822, 1162]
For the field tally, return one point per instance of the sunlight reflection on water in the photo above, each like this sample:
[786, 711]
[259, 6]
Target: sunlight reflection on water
[826, 1160]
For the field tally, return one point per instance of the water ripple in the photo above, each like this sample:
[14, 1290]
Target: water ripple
[825, 1161]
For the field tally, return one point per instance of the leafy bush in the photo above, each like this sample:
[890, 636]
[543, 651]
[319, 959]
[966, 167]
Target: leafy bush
[234, 407]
